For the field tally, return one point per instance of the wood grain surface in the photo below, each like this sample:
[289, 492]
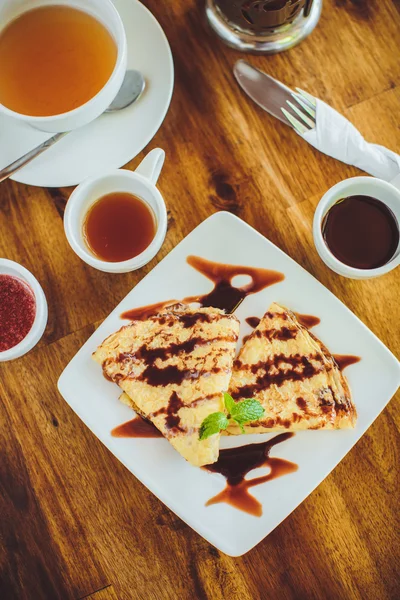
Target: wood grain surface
[74, 522]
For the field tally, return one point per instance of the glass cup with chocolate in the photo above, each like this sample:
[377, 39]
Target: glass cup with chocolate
[265, 26]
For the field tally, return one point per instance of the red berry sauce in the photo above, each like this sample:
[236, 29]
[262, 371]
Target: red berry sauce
[17, 311]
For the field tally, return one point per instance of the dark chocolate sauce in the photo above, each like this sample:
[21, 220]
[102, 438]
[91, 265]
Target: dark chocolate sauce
[301, 403]
[189, 320]
[168, 375]
[144, 312]
[272, 372]
[361, 232]
[138, 428]
[308, 320]
[172, 420]
[284, 334]
[235, 463]
[149, 355]
[253, 321]
[224, 295]
[345, 360]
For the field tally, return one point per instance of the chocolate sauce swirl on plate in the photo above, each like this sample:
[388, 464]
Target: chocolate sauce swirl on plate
[235, 463]
[223, 295]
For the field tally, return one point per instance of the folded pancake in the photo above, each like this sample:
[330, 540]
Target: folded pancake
[174, 368]
[293, 375]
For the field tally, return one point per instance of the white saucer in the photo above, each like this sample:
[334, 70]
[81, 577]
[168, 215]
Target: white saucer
[112, 140]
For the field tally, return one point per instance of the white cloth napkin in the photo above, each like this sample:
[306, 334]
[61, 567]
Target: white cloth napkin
[336, 136]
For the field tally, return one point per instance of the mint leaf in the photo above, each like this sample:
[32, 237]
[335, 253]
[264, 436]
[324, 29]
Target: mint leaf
[239, 413]
[246, 411]
[214, 423]
[229, 402]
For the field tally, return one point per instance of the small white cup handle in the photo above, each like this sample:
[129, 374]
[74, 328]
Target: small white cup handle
[396, 182]
[151, 165]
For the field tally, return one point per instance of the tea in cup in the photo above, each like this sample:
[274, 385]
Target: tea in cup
[61, 63]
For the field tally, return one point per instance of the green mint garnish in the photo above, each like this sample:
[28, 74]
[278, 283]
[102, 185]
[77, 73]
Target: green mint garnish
[239, 413]
[214, 423]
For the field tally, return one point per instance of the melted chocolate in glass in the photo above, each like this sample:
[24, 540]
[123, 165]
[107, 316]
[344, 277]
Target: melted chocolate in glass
[260, 16]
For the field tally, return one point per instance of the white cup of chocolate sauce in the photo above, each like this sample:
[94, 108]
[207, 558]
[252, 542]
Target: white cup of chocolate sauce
[141, 184]
[379, 192]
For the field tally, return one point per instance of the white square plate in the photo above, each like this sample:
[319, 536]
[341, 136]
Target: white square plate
[186, 489]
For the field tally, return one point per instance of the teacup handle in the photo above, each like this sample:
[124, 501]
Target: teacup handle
[151, 165]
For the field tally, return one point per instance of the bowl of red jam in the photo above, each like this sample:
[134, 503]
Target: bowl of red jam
[23, 310]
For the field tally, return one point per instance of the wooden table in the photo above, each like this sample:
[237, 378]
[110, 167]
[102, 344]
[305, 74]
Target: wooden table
[74, 522]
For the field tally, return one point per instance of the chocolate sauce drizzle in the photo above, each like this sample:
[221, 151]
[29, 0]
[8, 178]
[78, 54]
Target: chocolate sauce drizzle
[142, 428]
[171, 374]
[224, 295]
[283, 334]
[300, 368]
[149, 355]
[253, 321]
[308, 321]
[235, 463]
[136, 428]
[172, 420]
[345, 360]
[144, 312]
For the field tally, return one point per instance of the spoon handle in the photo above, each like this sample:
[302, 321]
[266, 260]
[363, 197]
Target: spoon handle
[26, 158]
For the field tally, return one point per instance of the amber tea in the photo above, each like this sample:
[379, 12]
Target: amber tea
[54, 59]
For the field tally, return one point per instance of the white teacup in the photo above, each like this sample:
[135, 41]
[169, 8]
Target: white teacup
[386, 192]
[105, 12]
[141, 183]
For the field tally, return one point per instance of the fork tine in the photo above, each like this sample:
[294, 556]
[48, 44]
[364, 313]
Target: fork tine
[307, 96]
[295, 123]
[303, 117]
[304, 104]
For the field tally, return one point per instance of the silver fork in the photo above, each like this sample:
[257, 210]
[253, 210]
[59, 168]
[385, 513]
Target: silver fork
[306, 112]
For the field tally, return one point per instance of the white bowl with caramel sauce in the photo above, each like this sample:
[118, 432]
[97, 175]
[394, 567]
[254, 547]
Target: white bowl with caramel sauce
[62, 62]
[356, 228]
[117, 222]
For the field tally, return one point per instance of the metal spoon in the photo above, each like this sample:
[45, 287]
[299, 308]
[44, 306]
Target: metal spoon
[132, 87]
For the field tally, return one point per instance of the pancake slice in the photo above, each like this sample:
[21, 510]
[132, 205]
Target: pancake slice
[293, 375]
[174, 368]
